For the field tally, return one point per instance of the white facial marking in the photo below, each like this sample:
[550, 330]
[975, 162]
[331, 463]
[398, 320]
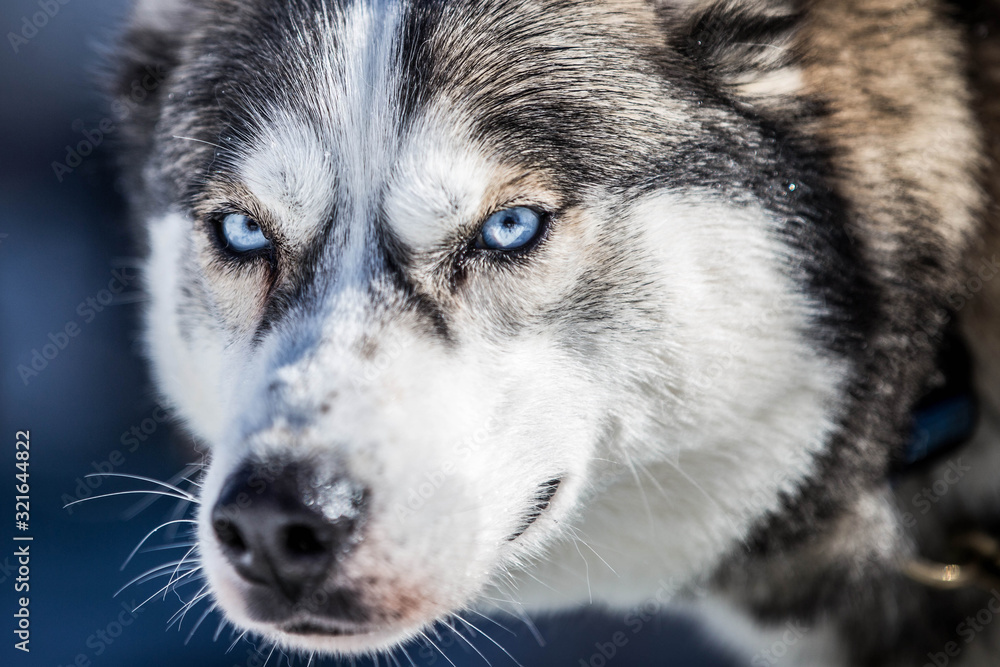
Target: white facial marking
[746, 401]
[439, 185]
[187, 372]
[299, 170]
[293, 177]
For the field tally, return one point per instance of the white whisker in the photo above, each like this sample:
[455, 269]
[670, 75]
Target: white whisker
[576, 536]
[167, 587]
[201, 619]
[270, 654]
[466, 640]
[493, 621]
[149, 534]
[143, 504]
[705, 493]
[155, 573]
[642, 492]
[125, 493]
[523, 616]
[495, 643]
[200, 141]
[236, 641]
[218, 631]
[167, 547]
[140, 478]
[406, 653]
[189, 552]
[178, 616]
[438, 648]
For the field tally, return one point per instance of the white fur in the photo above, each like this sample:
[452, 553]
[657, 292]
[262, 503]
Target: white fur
[792, 644]
[290, 174]
[670, 445]
[744, 401]
[751, 403]
[189, 376]
[437, 187]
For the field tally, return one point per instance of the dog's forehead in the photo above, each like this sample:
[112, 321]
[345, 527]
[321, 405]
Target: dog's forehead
[356, 100]
[346, 132]
[420, 180]
[329, 131]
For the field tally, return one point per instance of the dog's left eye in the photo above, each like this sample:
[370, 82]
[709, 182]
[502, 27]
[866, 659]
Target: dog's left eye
[242, 233]
[510, 229]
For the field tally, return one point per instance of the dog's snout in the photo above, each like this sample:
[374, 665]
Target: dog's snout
[283, 528]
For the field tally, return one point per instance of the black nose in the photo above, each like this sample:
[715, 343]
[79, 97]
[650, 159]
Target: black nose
[283, 527]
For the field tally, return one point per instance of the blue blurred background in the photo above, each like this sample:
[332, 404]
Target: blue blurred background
[72, 375]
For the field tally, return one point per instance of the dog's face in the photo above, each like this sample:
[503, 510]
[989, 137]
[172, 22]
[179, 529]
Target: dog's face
[422, 272]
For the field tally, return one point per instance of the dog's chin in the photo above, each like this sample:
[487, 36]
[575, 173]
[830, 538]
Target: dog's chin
[316, 633]
[311, 632]
[326, 637]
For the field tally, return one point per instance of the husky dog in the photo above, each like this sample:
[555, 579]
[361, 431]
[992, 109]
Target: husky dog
[463, 294]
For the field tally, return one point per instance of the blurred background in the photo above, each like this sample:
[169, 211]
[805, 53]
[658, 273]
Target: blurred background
[71, 373]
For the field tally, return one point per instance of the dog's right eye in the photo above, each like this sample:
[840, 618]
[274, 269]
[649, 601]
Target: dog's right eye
[242, 234]
[510, 229]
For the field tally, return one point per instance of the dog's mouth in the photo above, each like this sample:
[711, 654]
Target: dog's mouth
[329, 628]
[543, 498]
[286, 562]
[313, 628]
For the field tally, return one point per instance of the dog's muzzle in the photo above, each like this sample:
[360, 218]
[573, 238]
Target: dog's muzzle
[284, 530]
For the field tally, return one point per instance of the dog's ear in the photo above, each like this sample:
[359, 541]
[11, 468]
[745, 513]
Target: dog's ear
[748, 47]
[146, 56]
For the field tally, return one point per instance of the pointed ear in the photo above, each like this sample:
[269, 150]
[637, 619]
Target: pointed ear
[155, 31]
[748, 47]
[146, 56]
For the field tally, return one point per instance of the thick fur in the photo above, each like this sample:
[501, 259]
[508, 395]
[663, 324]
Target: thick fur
[760, 215]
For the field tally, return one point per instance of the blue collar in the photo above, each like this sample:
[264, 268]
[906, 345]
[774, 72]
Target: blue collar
[940, 427]
[946, 416]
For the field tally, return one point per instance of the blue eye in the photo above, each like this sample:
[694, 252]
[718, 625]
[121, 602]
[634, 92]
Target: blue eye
[510, 229]
[242, 233]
